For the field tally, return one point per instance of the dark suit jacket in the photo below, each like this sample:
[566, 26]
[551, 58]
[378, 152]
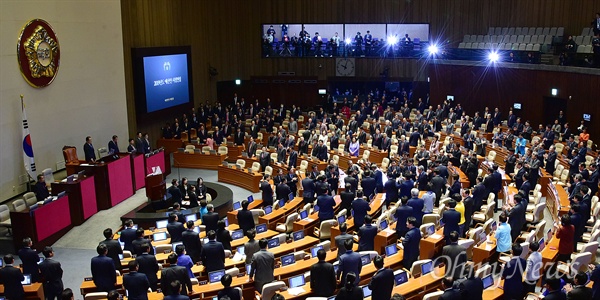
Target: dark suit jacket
[127, 237]
[282, 191]
[360, 207]
[402, 213]
[41, 191]
[293, 159]
[456, 258]
[114, 249]
[104, 273]
[29, 259]
[51, 272]
[210, 220]
[322, 279]
[556, 295]
[326, 205]
[267, 193]
[192, 244]
[136, 285]
[113, 147]
[382, 284]
[137, 246]
[411, 242]
[580, 292]
[513, 278]
[213, 256]
[11, 278]
[472, 288]
[245, 220]
[148, 265]
[90, 153]
[451, 218]
[172, 273]
[391, 191]
[367, 235]
[451, 294]
[353, 182]
[368, 184]
[175, 230]
[175, 194]
[350, 262]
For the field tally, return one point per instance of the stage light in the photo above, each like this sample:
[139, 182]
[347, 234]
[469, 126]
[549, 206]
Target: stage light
[348, 41]
[238, 81]
[433, 49]
[493, 56]
[392, 40]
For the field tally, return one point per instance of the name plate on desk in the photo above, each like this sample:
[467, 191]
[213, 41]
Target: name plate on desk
[88, 279]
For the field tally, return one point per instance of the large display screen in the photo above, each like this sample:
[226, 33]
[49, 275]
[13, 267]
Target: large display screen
[162, 78]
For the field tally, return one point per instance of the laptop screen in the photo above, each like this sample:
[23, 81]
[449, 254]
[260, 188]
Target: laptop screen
[287, 260]
[191, 217]
[400, 278]
[26, 279]
[494, 226]
[426, 268]
[488, 281]
[391, 250]
[273, 242]
[268, 209]
[316, 208]
[248, 268]
[542, 244]
[120, 256]
[261, 228]
[365, 259]
[314, 250]
[297, 281]
[282, 203]
[40, 260]
[196, 230]
[341, 219]
[291, 196]
[159, 236]
[176, 244]
[303, 214]
[430, 229]
[383, 224]
[237, 234]
[215, 276]
[366, 291]
[298, 235]
[250, 199]
[240, 250]
[162, 224]
[236, 205]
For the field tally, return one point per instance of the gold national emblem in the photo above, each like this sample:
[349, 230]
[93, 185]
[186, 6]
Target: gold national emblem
[38, 53]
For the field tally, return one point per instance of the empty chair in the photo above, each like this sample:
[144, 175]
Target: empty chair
[537, 215]
[257, 212]
[479, 39]
[514, 38]
[30, 198]
[553, 31]
[288, 226]
[579, 263]
[586, 31]
[546, 31]
[415, 270]
[591, 247]
[324, 231]
[96, 296]
[102, 152]
[488, 45]
[537, 47]
[560, 32]
[520, 39]
[5, 218]
[461, 46]
[522, 47]
[498, 30]
[578, 40]
[501, 46]
[270, 289]
[587, 40]
[511, 31]
[531, 31]
[468, 45]
[504, 30]
[526, 39]
[468, 244]
[488, 213]
[491, 30]
[467, 38]
[534, 39]
[485, 270]
[433, 296]
[241, 163]
[529, 47]
[518, 30]
[539, 31]
[507, 46]
[255, 167]
[481, 46]
[326, 245]
[19, 205]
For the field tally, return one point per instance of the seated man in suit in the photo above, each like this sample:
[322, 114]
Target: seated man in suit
[245, 218]
[410, 243]
[382, 283]
[40, 188]
[148, 265]
[322, 276]
[11, 278]
[213, 253]
[366, 234]
[88, 150]
[175, 228]
[114, 247]
[578, 290]
[450, 293]
[210, 219]
[113, 146]
[103, 270]
[136, 284]
[553, 290]
[174, 273]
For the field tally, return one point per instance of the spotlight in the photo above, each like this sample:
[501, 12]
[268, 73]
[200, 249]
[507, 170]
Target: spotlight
[348, 41]
[493, 56]
[392, 40]
[433, 49]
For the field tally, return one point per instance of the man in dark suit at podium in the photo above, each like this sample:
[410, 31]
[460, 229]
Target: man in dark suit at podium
[175, 228]
[103, 270]
[139, 143]
[88, 150]
[40, 188]
[52, 273]
[131, 148]
[146, 144]
[113, 146]
[175, 192]
[210, 219]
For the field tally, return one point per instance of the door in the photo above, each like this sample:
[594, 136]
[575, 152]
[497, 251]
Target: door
[552, 107]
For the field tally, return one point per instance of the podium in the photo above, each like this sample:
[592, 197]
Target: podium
[156, 187]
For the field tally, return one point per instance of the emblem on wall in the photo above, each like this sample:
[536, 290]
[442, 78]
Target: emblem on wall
[38, 53]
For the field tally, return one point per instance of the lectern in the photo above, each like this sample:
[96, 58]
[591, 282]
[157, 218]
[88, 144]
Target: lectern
[156, 187]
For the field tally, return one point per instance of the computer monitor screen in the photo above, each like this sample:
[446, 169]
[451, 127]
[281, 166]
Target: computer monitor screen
[191, 217]
[365, 259]
[316, 208]
[273, 243]
[268, 209]
[248, 268]
[40, 260]
[400, 278]
[430, 229]
[70, 178]
[587, 117]
[159, 236]
[303, 214]
[260, 228]
[196, 230]
[488, 281]
[26, 279]
[391, 250]
[341, 219]
[517, 105]
[426, 268]
[175, 245]
[288, 259]
[250, 199]
[322, 91]
[121, 256]
[237, 205]
[298, 235]
[237, 234]
[161, 224]
[494, 226]
[314, 250]
[282, 203]
[291, 196]
[240, 250]
[366, 291]
[215, 276]
[383, 225]
[449, 97]
[542, 244]
[297, 281]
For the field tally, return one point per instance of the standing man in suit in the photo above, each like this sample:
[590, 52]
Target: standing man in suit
[138, 243]
[113, 146]
[11, 278]
[146, 143]
[391, 191]
[472, 287]
[213, 254]
[263, 265]
[238, 140]
[136, 284]
[340, 240]
[349, 262]
[513, 274]
[292, 157]
[210, 219]
[252, 148]
[175, 228]
[347, 196]
[283, 189]
[438, 185]
[113, 246]
[29, 259]
[410, 242]
[450, 293]
[382, 283]
[322, 276]
[175, 273]
[88, 150]
[455, 257]
[191, 241]
[131, 147]
[175, 192]
[361, 207]
[103, 270]
[245, 218]
[403, 212]
[326, 205]
[139, 143]
[267, 190]
[451, 219]
[52, 273]
[264, 159]
[366, 234]
[148, 265]
[417, 205]
[128, 235]
[368, 183]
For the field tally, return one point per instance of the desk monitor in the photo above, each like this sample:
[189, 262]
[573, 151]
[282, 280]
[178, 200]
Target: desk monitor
[215, 276]
[121, 243]
[260, 228]
[26, 279]
[288, 259]
[426, 267]
[282, 203]
[226, 222]
[314, 250]
[336, 267]
[383, 225]
[587, 117]
[331, 298]
[248, 268]
[134, 226]
[298, 235]
[316, 208]
[175, 245]
[430, 230]
[268, 209]
[250, 199]
[120, 256]
[80, 175]
[549, 234]
[542, 244]
[237, 234]
[240, 250]
[237, 205]
[366, 291]
[161, 224]
[61, 194]
[191, 217]
[365, 259]
[159, 236]
[303, 214]
[70, 178]
[341, 219]
[482, 237]
[196, 229]
[297, 281]
[274, 242]
[391, 250]
[40, 260]
[400, 277]
[291, 196]
[371, 197]
[488, 281]
[494, 226]
[517, 105]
